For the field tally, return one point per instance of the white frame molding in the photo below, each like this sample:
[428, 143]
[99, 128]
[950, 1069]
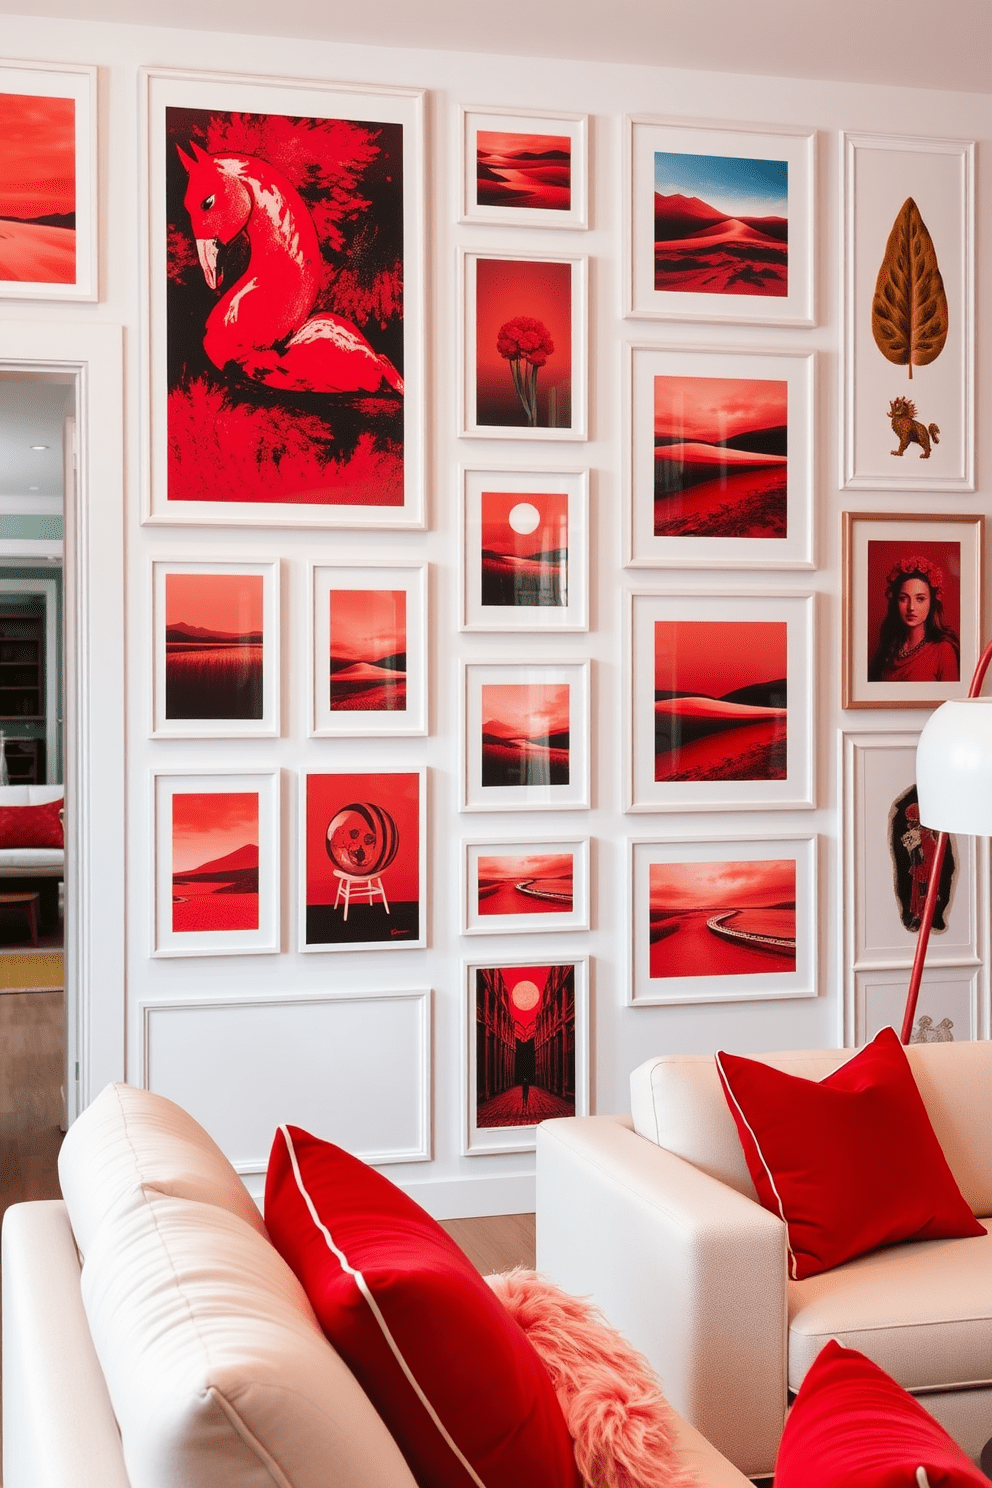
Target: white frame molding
[508, 121]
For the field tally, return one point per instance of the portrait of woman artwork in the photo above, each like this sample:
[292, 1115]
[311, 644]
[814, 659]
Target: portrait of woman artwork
[916, 641]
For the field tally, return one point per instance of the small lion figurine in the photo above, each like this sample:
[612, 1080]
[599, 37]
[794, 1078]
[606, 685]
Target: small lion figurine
[909, 430]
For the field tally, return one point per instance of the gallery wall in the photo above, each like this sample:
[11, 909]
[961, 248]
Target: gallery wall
[371, 1047]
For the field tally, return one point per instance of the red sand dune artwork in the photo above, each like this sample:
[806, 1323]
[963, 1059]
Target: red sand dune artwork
[368, 650]
[525, 1044]
[215, 860]
[531, 883]
[525, 734]
[524, 548]
[722, 919]
[213, 646]
[523, 170]
[507, 289]
[721, 225]
[720, 457]
[37, 189]
[720, 700]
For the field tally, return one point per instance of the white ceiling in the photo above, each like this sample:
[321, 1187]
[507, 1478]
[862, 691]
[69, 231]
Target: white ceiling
[914, 43]
[32, 411]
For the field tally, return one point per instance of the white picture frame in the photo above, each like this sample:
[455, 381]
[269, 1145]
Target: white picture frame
[688, 767]
[534, 287]
[536, 588]
[947, 1010]
[42, 243]
[660, 394]
[702, 155]
[483, 1138]
[493, 903]
[550, 698]
[203, 829]
[358, 641]
[880, 174]
[197, 666]
[509, 176]
[177, 485]
[701, 884]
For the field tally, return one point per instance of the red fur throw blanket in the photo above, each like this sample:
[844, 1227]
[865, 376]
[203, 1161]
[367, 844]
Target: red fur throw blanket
[614, 1409]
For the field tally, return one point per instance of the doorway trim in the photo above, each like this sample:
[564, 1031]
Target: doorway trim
[93, 575]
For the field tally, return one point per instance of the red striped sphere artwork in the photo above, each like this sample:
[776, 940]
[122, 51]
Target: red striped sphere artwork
[362, 839]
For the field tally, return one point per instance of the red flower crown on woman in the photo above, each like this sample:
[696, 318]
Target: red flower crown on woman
[933, 574]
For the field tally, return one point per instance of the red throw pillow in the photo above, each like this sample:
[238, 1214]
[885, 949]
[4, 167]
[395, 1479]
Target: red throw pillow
[853, 1424]
[31, 826]
[849, 1162]
[452, 1375]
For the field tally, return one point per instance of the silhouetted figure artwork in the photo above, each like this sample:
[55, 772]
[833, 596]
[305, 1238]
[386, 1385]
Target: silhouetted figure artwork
[913, 847]
[524, 1092]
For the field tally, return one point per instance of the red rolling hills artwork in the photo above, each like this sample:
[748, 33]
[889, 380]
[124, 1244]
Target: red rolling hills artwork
[720, 700]
[722, 919]
[720, 457]
[525, 734]
[721, 224]
[368, 650]
[523, 170]
[215, 860]
[37, 189]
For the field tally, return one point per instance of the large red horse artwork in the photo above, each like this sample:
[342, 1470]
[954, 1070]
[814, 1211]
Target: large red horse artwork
[285, 309]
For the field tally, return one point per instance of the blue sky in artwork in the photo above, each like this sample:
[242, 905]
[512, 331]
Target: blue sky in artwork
[739, 187]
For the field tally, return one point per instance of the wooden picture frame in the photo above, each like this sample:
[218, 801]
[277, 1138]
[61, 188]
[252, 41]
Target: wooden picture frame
[517, 886]
[526, 736]
[525, 167]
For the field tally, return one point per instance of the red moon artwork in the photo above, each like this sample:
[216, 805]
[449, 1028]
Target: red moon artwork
[722, 919]
[215, 860]
[525, 1044]
[37, 189]
[524, 548]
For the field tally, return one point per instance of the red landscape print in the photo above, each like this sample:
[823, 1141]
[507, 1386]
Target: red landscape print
[213, 645]
[536, 884]
[523, 327]
[720, 448]
[37, 189]
[525, 1044]
[524, 548]
[525, 733]
[524, 170]
[368, 650]
[720, 699]
[364, 828]
[721, 225]
[285, 309]
[215, 860]
[722, 919]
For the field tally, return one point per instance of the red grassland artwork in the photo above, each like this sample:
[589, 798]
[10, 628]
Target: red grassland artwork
[720, 700]
[523, 343]
[368, 650]
[720, 457]
[525, 1044]
[524, 548]
[525, 733]
[285, 309]
[533, 883]
[524, 170]
[721, 224]
[37, 189]
[213, 646]
[363, 859]
[722, 919]
[215, 860]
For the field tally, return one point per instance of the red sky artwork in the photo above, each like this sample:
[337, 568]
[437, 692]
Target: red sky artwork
[505, 289]
[215, 838]
[527, 979]
[37, 189]
[367, 624]
[207, 825]
[703, 917]
[399, 795]
[548, 534]
[525, 710]
[714, 657]
[225, 604]
[722, 885]
[713, 408]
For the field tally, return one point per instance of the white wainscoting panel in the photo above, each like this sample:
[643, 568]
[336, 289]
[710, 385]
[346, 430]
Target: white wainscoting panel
[352, 1069]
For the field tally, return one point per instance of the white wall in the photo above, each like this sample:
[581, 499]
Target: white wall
[193, 1053]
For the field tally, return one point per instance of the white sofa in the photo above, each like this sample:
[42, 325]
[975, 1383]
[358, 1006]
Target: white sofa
[38, 868]
[153, 1338]
[655, 1217]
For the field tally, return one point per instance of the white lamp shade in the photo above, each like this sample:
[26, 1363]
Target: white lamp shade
[954, 768]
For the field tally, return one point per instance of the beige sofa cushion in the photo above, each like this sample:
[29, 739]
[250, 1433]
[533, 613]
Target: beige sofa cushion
[923, 1312]
[677, 1101]
[217, 1369]
[129, 1142]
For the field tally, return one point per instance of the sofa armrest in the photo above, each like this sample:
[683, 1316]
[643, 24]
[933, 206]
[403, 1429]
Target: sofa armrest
[692, 1272]
[59, 1429]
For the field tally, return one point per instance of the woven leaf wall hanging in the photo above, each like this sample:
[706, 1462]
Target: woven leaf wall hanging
[909, 311]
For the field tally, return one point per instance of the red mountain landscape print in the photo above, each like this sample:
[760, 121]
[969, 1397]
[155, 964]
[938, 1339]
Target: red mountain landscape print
[215, 860]
[720, 700]
[722, 919]
[37, 189]
[525, 728]
[720, 457]
[213, 646]
[524, 170]
[536, 884]
[368, 650]
[721, 225]
[524, 548]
